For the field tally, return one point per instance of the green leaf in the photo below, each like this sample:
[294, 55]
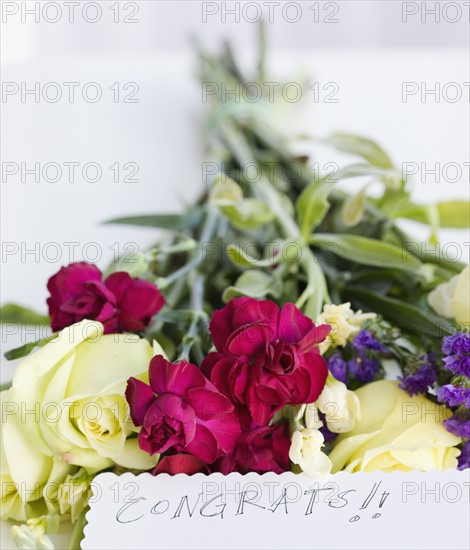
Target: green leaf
[361, 146]
[240, 257]
[225, 192]
[12, 313]
[249, 214]
[365, 251]
[255, 284]
[312, 204]
[409, 318]
[176, 222]
[26, 349]
[353, 209]
[175, 316]
[5, 386]
[452, 214]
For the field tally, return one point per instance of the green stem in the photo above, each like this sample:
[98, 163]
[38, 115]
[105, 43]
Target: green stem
[191, 340]
[208, 230]
[77, 534]
[316, 291]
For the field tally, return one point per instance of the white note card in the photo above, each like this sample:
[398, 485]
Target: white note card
[412, 510]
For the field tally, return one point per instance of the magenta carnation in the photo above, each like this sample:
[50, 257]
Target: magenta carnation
[259, 449]
[266, 357]
[187, 413]
[180, 463]
[121, 303]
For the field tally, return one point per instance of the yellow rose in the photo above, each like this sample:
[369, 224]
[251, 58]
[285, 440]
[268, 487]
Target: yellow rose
[24, 471]
[396, 432]
[452, 298]
[69, 407]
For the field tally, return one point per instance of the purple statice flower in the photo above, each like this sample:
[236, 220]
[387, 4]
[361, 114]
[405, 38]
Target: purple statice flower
[464, 458]
[458, 364]
[458, 426]
[457, 344]
[365, 340]
[337, 367]
[454, 395]
[363, 369]
[419, 381]
[327, 434]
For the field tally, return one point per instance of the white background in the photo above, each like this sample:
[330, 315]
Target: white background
[369, 53]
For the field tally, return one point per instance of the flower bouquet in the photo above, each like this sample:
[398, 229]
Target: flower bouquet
[281, 324]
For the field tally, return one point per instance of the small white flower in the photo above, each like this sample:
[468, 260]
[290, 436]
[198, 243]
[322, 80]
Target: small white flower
[312, 416]
[341, 407]
[305, 451]
[345, 324]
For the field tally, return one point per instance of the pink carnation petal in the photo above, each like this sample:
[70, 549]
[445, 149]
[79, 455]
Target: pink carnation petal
[221, 325]
[177, 378]
[204, 445]
[100, 289]
[293, 324]
[69, 281]
[226, 431]
[139, 396]
[180, 463]
[241, 377]
[307, 383]
[138, 300]
[118, 283]
[314, 336]
[273, 390]
[217, 366]
[250, 339]
[260, 411]
[69, 286]
[254, 311]
[207, 404]
[174, 412]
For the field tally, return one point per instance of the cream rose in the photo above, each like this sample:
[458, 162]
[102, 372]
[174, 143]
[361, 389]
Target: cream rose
[452, 298]
[396, 432]
[24, 470]
[67, 406]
